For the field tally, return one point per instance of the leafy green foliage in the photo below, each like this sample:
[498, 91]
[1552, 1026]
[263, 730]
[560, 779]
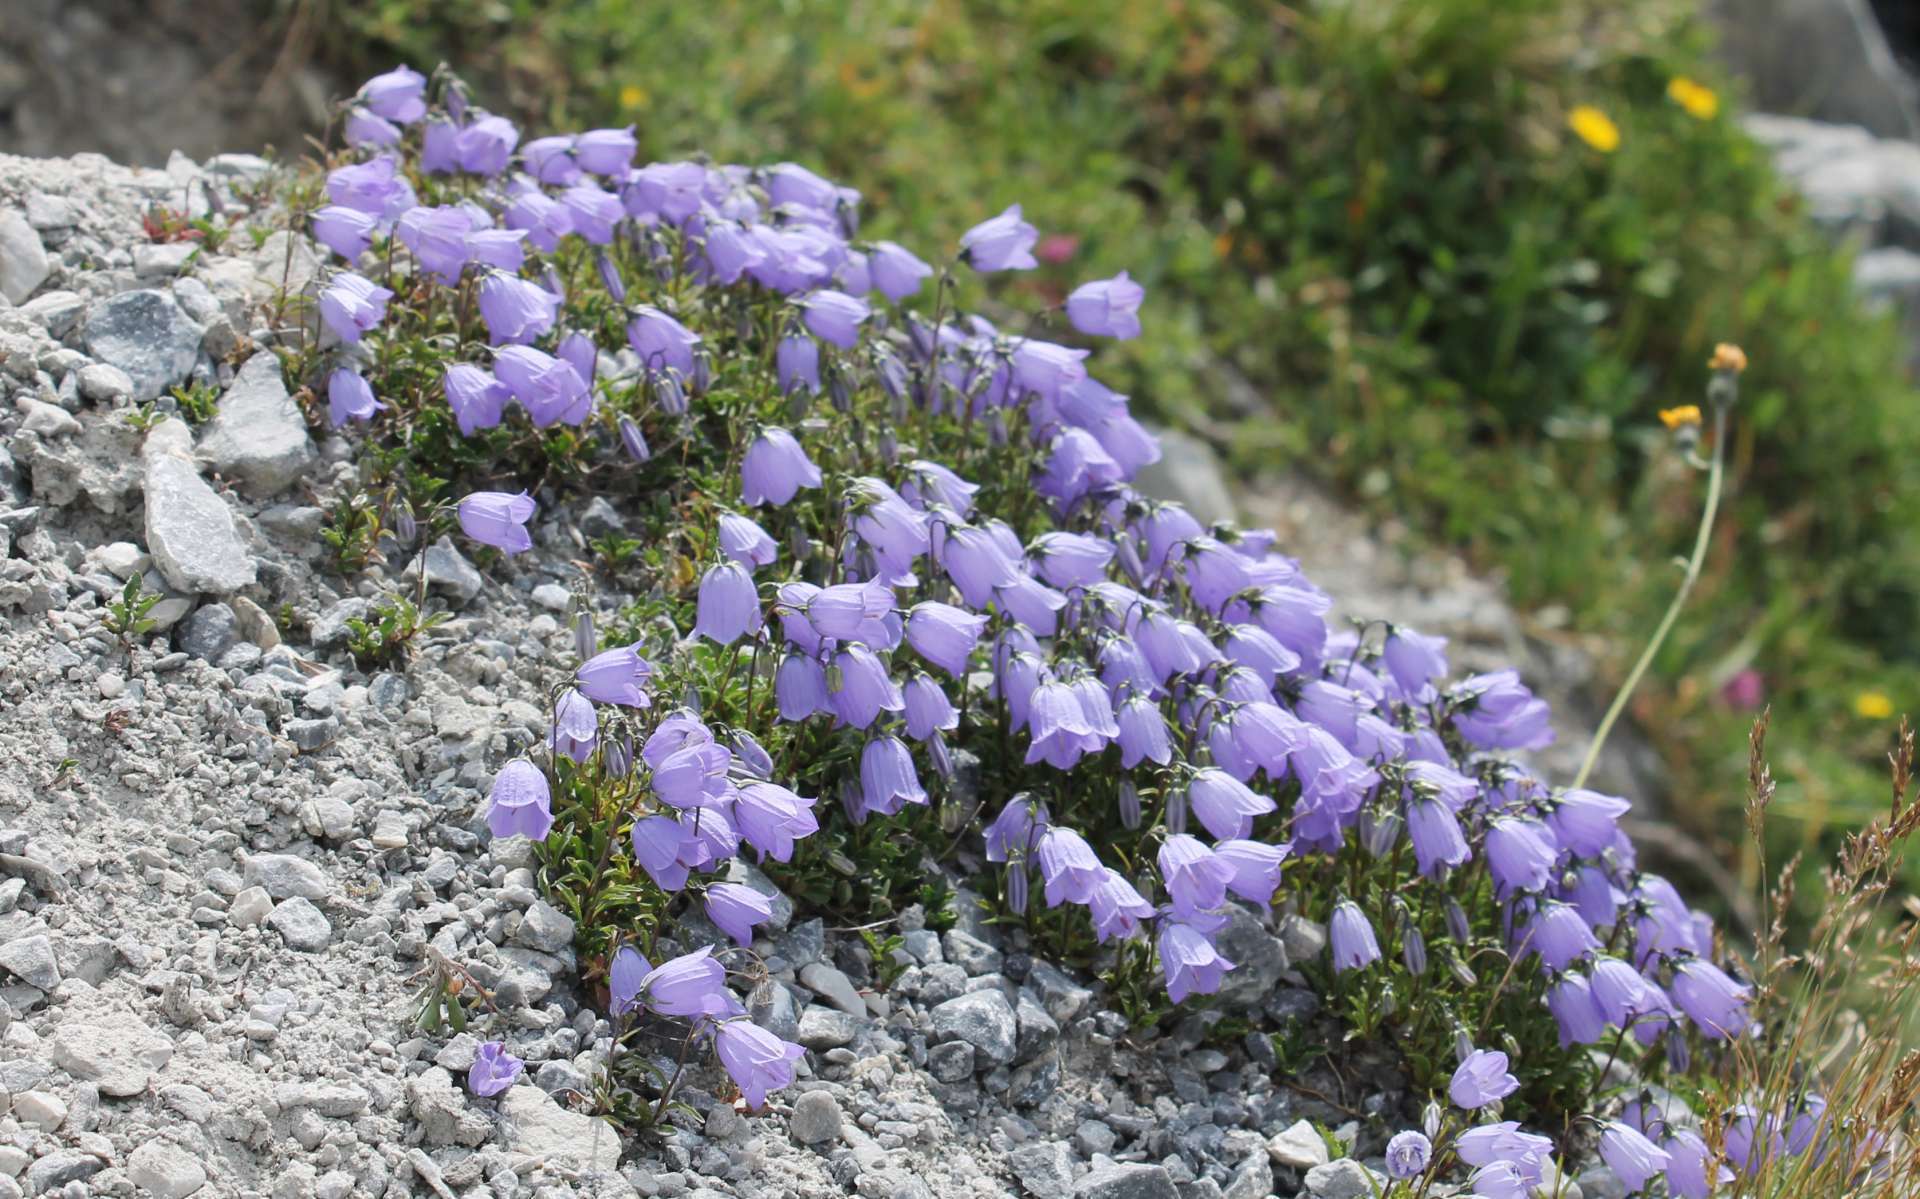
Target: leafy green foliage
[126, 616]
[385, 636]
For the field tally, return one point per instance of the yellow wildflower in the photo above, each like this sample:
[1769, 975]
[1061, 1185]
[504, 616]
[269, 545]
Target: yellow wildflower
[1698, 99]
[1685, 415]
[1874, 705]
[632, 96]
[1728, 357]
[1595, 128]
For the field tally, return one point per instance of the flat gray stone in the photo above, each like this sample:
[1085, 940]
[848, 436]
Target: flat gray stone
[816, 1118]
[1259, 959]
[539, 1127]
[449, 572]
[104, 383]
[257, 435]
[545, 928]
[301, 924]
[23, 260]
[832, 986]
[822, 1028]
[147, 335]
[211, 631]
[58, 312]
[983, 1019]
[59, 1168]
[1188, 473]
[115, 1051]
[190, 529]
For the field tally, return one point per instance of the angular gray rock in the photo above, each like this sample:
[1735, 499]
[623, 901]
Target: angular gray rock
[31, 960]
[147, 335]
[190, 529]
[23, 260]
[449, 572]
[1259, 960]
[834, 987]
[1344, 1179]
[257, 435]
[983, 1019]
[209, 632]
[105, 384]
[823, 1028]
[1044, 1168]
[816, 1118]
[167, 1171]
[539, 1127]
[1299, 1146]
[1115, 1180]
[301, 924]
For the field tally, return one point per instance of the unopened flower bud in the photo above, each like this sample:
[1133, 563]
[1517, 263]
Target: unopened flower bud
[942, 762]
[1463, 973]
[610, 275]
[1462, 1045]
[1177, 811]
[1129, 555]
[1413, 949]
[702, 377]
[838, 393]
[616, 756]
[584, 641]
[550, 279]
[851, 802]
[750, 756]
[1379, 830]
[889, 447]
[890, 372]
[1679, 1056]
[1457, 925]
[668, 393]
[404, 526]
[633, 440]
[1431, 1117]
[1017, 888]
[1129, 804]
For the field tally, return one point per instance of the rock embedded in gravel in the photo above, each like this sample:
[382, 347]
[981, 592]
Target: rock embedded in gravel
[302, 925]
[23, 260]
[1344, 1179]
[1259, 960]
[822, 1028]
[816, 1118]
[209, 632]
[1304, 939]
[257, 435]
[115, 1051]
[38, 1109]
[284, 875]
[146, 334]
[165, 1170]
[545, 928]
[59, 1168]
[984, 1020]
[1115, 1180]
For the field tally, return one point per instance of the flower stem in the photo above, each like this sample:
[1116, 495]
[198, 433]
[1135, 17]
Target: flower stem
[1701, 539]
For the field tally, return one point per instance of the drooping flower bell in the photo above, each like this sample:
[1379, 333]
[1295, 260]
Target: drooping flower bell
[1068, 866]
[350, 397]
[693, 984]
[1190, 962]
[735, 909]
[758, 1061]
[498, 519]
[1634, 1158]
[1107, 307]
[775, 469]
[1352, 939]
[662, 342]
[1002, 243]
[834, 317]
[520, 803]
[1482, 1079]
[895, 271]
[576, 727]
[729, 604]
[617, 676]
[478, 400]
[516, 311]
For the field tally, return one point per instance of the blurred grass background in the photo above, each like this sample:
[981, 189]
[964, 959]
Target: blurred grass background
[1374, 251]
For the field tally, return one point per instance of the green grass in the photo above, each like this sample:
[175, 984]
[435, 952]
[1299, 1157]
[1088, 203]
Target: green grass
[1373, 251]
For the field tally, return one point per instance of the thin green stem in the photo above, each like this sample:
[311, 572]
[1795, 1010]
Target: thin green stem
[1692, 576]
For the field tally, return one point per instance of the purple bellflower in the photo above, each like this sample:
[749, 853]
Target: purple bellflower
[1002, 243]
[350, 397]
[493, 1070]
[775, 470]
[498, 519]
[520, 804]
[1107, 308]
[757, 1061]
[1482, 1079]
[735, 909]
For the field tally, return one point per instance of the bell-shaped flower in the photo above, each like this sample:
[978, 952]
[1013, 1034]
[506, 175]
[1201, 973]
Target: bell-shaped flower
[1194, 875]
[1190, 962]
[1635, 1160]
[928, 710]
[624, 973]
[895, 271]
[346, 231]
[1351, 934]
[548, 387]
[498, 519]
[1015, 831]
[887, 777]
[758, 1061]
[1225, 805]
[864, 689]
[1256, 868]
[398, 95]
[617, 676]
[771, 818]
[1067, 866]
[693, 984]
[657, 842]
[1004, 243]
[800, 687]
[1117, 908]
[662, 342]
[517, 311]
[1482, 1079]
[478, 400]
[775, 469]
[576, 727]
[493, 1070]
[520, 804]
[729, 604]
[1570, 1000]
[745, 542]
[834, 317]
[350, 397]
[735, 909]
[1107, 307]
[1713, 1001]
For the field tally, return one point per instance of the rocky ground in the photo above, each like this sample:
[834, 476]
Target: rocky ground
[229, 857]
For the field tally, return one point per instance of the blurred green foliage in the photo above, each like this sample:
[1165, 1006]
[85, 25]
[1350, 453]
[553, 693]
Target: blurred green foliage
[1375, 250]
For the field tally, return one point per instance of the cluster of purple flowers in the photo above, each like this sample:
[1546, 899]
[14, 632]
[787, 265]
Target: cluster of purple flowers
[1194, 665]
